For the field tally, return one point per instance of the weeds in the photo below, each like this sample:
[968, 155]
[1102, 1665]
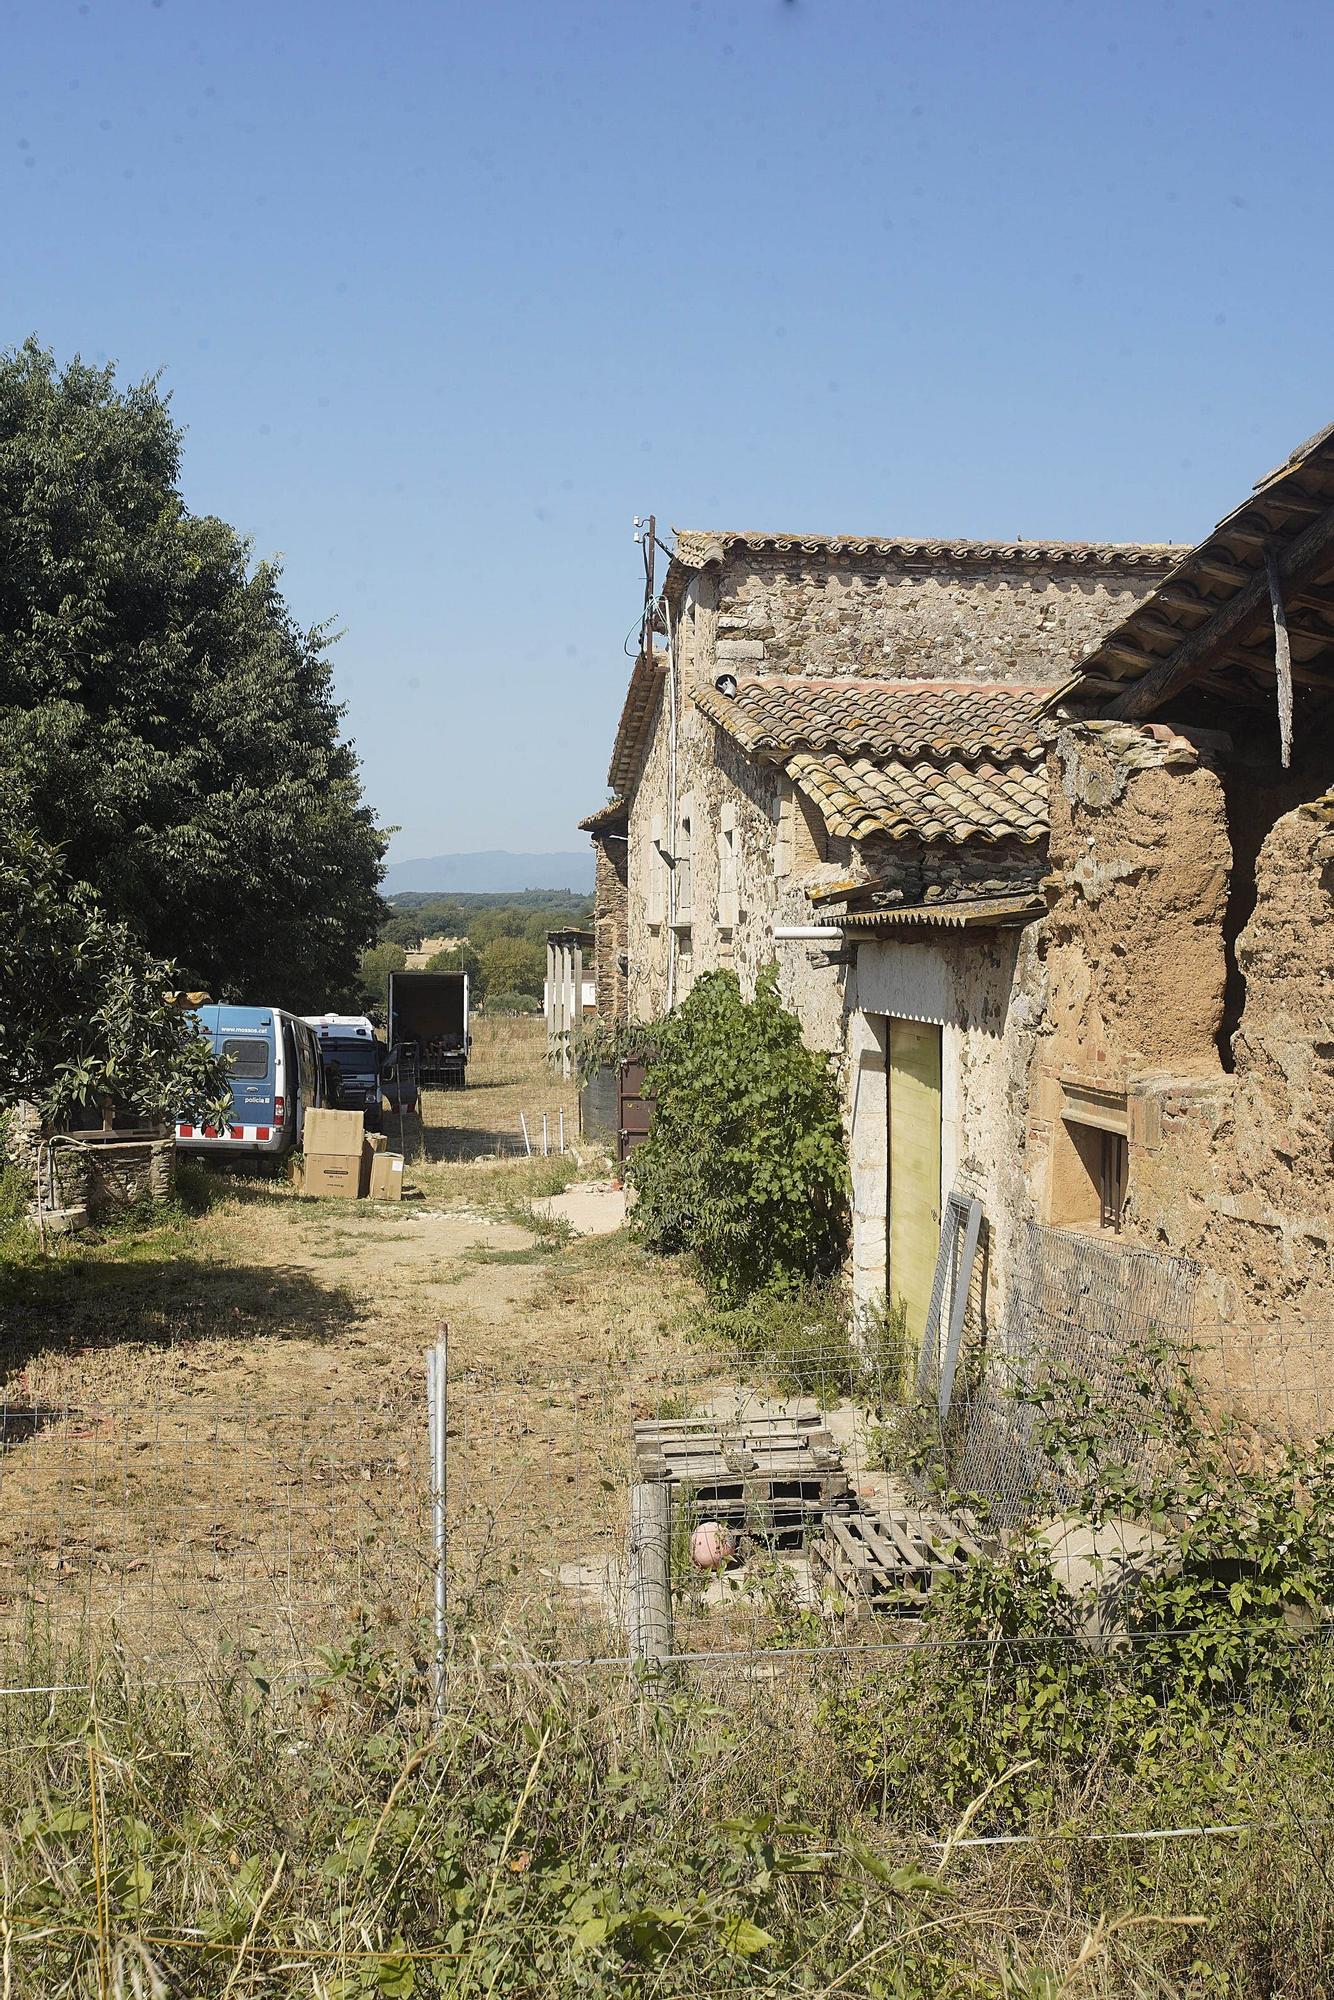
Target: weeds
[556, 1231]
[816, 1342]
[571, 1836]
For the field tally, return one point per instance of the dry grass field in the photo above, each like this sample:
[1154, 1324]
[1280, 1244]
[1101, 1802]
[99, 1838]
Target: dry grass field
[214, 1424]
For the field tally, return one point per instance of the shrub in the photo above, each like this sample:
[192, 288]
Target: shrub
[745, 1165]
[513, 1003]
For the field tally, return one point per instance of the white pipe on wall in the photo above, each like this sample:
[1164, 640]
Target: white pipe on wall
[805, 933]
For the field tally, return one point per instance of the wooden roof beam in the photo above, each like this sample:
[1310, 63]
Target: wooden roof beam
[1135, 656]
[1310, 635]
[1231, 574]
[1262, 665]
[1164, 678]
[1184, 597]
[1288, 502]
[1312, 600]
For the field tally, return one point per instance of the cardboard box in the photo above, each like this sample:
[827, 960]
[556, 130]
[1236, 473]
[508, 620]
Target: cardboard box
[333, 1133]
[386, 1182]
[371, 1144]
[332, 1173]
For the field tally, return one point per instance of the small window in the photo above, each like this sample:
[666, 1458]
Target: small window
[1112, 1165]
[1088, 1176]
[727, 896]
[248, 1060]
[657, 872]
[684, 865]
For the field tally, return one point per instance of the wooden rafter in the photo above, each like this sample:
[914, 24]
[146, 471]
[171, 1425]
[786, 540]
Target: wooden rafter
[1166, 676]
[1232, 574]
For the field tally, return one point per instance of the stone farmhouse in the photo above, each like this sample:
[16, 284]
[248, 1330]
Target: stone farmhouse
[1039, 837]
[830, 711]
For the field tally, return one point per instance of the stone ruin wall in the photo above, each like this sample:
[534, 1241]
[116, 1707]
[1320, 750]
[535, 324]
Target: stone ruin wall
[1230, 1168]
[1276, 1213]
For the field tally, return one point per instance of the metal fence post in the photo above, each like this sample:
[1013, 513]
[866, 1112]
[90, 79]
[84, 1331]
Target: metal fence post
[437, 1392]
[527, 1142]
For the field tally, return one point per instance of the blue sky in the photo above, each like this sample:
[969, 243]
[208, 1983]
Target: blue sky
[446, 294]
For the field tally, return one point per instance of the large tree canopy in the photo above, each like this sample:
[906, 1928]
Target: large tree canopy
[86, 1015]
[174, 732]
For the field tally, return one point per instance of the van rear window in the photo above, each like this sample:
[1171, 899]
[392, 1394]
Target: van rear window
[247, 1059]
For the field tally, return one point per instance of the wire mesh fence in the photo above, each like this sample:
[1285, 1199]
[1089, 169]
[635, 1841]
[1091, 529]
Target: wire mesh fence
[699, 1506]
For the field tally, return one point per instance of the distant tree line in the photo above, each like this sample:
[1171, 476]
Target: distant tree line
[503, 940]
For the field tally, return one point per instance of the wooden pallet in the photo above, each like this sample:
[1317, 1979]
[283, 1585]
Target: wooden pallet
[771, 1476]
[888, 1562]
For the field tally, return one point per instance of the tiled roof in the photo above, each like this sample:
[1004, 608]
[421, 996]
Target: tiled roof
[904, 760]
[1209, 623]
[928, 801]
[607, 818]
[950, 913]
[636, 723]
[696, 547]
[786, 712]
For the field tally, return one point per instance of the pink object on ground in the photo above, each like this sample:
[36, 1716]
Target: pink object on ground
[712, 1546]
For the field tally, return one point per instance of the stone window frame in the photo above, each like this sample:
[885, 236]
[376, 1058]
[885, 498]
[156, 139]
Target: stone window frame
[682, 864]
[657, 874]
[728, 899]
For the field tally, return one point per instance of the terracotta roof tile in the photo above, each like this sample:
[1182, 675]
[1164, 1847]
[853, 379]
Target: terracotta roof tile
[696, 547]
[607, 819]
[776, 712]
[924, 801]
[636, 724]
[930, 761]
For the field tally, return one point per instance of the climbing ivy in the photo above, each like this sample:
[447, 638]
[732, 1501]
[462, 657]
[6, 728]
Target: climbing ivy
[745, 1165]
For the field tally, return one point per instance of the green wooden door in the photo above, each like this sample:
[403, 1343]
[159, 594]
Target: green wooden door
[914, 1165]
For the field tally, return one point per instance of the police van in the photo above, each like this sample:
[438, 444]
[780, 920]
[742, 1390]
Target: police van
[353, 1059]
[276, 1075]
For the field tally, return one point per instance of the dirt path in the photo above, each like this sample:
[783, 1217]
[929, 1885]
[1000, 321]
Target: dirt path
[222, 1419]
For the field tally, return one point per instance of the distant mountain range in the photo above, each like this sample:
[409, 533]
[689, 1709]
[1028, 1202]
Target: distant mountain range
[494, 872]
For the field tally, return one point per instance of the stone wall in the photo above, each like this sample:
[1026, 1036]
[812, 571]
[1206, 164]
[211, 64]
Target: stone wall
[610, 943]
[727, 792]
[1139, 861]
[796, 612]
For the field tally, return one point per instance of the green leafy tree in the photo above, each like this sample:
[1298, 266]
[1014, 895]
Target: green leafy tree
[373, 975]
[745, 1164]
[458, 958]
[513, 965]
[174, 731]
[86, 1015]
